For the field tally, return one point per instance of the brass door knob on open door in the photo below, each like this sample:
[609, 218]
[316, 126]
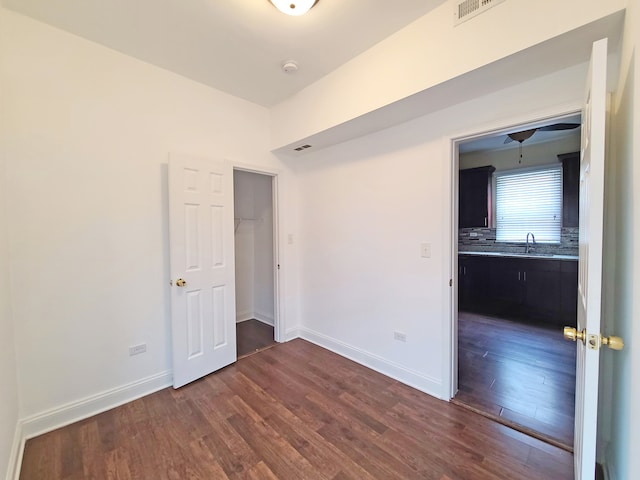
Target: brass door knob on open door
[572, 334]
[181, 283]
[614, 343]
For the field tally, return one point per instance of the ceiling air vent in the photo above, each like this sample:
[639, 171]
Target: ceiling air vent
[467, 9]
[302, 147]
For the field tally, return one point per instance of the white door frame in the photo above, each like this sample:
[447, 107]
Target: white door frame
[523, 122]
[279, 326]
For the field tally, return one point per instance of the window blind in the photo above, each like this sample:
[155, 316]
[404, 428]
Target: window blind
[529, 201]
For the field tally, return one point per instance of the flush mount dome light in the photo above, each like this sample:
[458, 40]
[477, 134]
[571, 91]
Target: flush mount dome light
[294, 7]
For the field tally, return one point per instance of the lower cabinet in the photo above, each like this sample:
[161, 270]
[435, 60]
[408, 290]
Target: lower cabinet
[472, 288]
[569, 292]
[544, 290]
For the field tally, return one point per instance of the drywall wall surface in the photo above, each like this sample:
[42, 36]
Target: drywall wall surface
[366, 206]
[619, 420]
[243, 194]
[254, 246]
[430, 52]
[263, 250]
[8, 380]
[88, 133]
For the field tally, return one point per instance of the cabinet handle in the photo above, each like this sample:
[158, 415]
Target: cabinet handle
[525, 276]
[518, 276]
[465, 270]
[485, 221]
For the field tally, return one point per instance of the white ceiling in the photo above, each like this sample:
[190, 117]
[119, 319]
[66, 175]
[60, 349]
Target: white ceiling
[237, 46]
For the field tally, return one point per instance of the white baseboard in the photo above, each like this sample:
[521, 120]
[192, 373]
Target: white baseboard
[393, 370]
[292, 334]
[243, 316]
[266, 319]
[80, 409]
[15, 457]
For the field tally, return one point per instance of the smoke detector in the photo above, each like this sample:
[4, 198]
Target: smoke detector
[290, 66]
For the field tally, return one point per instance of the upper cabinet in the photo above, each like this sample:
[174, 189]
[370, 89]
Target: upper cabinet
[570, 188]
[474, 205]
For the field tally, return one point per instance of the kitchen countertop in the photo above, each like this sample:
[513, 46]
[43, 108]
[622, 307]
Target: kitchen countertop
[541, 256]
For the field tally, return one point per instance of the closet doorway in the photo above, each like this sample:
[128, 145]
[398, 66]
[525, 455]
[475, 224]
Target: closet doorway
[255, 259]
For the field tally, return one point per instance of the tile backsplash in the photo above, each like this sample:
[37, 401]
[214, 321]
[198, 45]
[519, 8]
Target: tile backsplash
[485, 241]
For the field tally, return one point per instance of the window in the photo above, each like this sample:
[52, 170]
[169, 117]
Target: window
[529, 200]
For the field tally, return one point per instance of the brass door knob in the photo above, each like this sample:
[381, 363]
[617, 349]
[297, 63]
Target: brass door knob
[572, 334]
[180, 282]
[614, 343]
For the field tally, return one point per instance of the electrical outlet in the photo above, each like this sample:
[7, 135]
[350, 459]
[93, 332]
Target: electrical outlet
[137, 349]
[401, 337]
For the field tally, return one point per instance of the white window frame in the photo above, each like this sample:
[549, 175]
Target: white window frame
[515, 218]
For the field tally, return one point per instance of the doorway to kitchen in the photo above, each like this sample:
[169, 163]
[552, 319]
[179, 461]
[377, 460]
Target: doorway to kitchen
[517, 277]
[255, 262]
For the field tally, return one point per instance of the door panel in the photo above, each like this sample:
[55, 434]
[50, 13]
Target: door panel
[201, 254]
[592, 158]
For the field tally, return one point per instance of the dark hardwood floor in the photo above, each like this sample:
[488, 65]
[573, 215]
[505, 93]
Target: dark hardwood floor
[253, 335]
[518, 373]
[294, 411]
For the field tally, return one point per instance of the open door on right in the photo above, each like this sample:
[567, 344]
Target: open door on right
[587, 335]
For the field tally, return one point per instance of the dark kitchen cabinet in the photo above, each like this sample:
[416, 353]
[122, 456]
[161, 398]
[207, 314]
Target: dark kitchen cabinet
[539, 289]
[505, 285]
[570, 188]
[474, 195]
[569, 293]
[472, 285]
[541, 283]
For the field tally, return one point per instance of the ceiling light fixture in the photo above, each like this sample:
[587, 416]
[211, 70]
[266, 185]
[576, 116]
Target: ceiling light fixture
[294, 7]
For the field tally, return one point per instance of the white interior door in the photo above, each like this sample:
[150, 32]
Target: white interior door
[590, 264]
[202, 267]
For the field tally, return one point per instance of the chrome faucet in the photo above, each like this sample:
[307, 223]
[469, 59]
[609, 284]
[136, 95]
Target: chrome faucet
[527, 248]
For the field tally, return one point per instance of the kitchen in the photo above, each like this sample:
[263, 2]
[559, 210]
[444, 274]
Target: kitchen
[518, 275]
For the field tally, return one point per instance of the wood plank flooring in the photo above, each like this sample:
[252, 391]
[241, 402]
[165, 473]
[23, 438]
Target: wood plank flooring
[253, 335]
[294, 411]
[519, 373]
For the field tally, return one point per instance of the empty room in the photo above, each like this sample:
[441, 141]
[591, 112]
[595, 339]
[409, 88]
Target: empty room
[174, 173]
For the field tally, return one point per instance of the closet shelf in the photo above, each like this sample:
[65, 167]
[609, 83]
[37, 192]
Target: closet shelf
[239, 220]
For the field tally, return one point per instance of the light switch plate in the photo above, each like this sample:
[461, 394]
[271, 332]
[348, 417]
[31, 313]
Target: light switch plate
[425, 250]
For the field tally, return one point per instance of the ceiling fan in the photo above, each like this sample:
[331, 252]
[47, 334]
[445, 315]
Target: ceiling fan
[526, 134]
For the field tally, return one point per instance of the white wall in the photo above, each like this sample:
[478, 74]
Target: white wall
[366, 206]
[244, 244]
[619, 414]
[88, 132]
[428, 53]
[263, 249]
[8, 380]
[254, 247]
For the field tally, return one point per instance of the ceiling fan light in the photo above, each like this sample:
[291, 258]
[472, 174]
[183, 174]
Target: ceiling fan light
[294, 7]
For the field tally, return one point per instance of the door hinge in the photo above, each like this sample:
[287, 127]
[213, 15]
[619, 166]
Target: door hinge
[278, 266]
[451, 282]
